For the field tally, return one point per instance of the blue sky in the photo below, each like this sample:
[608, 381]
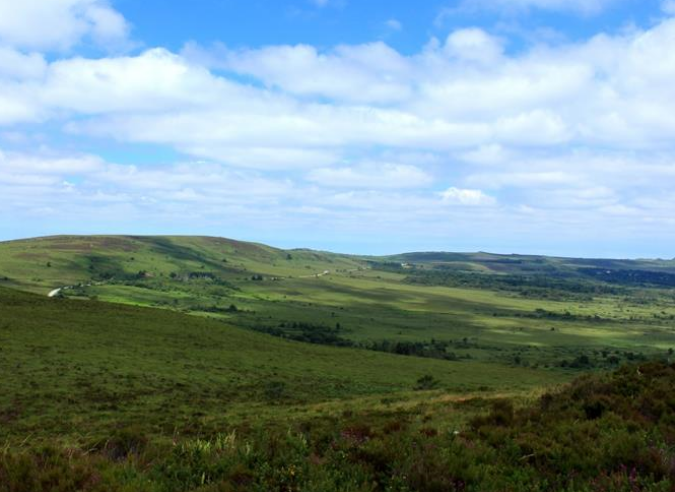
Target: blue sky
[530, 126]
[261, 23]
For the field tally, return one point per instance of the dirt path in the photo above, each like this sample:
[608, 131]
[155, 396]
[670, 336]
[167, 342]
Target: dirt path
[316, 275]
[328, 272]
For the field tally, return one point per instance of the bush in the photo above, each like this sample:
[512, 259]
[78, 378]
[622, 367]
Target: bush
[426, 382]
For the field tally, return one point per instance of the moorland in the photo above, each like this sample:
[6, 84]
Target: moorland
[198, 363]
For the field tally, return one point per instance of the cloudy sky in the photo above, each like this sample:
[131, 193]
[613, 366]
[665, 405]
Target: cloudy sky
[364, 126]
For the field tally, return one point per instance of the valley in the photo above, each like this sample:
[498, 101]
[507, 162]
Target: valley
[194, 363]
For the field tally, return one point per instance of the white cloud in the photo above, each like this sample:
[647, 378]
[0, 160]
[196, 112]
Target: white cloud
[594, 198]
[372, 176]
[17, 104]
[614, 92]
[11, 163]
[568, 133]
[487, 155]
[531, 179]
[200, 196]
[366, 73]
[34, 181]
[17, 65]
[155, 80]
[268, 157]
[544, 170]
[467, 197]
[473, 45]
[59, 24]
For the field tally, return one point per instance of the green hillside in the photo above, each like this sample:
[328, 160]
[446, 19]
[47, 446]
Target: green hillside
[522, 263]
[98, 398]
[549, 313]
[74, 368]
[43, 264]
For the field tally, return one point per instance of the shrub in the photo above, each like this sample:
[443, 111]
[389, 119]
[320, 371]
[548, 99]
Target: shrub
[426, 382]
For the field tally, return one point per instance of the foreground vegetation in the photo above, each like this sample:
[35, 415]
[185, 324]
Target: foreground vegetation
[611, 433]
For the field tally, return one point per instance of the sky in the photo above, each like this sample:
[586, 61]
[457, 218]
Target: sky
[369, 126]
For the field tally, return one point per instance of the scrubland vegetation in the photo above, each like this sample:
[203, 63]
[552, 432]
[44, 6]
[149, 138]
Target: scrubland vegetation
[208, 364]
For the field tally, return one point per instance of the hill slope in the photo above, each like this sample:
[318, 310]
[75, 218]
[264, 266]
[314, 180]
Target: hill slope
[511, 310]
[74, 367]
[47, 263]
[609, 433]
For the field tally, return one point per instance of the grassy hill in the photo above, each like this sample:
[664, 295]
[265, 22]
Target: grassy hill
[514, 263]
[43, 264]
[550, 313]
[73, 368]
[47, 263]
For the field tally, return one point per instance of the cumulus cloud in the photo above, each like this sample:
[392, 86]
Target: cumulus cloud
[571, 132]
[152, 81]
[373, 73]
[473, 45]
[59, 24]
[17, 65]
[608, 91]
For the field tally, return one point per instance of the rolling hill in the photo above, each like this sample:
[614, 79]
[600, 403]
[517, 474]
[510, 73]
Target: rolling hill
[75, 368]
[551, 313]
[206, 364]
[47, 263]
